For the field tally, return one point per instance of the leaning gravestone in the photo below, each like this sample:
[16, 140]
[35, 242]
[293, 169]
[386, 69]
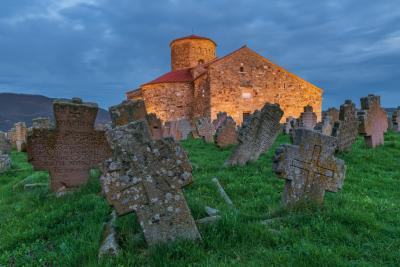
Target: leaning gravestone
[71, 149]
[127, 111]
[5, 145]
[257, 135]
[396, 120]
[309, 167]
[308, 119]
[346, 128]
[146, 176]
[226, 133]
[5, 162]
[205, 129]
[373, 121]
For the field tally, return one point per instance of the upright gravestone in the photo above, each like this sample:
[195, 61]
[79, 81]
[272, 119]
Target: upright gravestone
[333, 113]
[5, 162]
[185, 128]
[127, 111]
[21, 135]
[171, 129]
[71, 149]
[396, 120]
[373, 121]
[325, 126]
[221, 117]
[226, 133]
[41, 123]
[309, 167]
[308, 119]
[257, 135]
[146, 176]
[5, 145]
[205, 129]
[289, 125]
[155, 126]
[346, 128]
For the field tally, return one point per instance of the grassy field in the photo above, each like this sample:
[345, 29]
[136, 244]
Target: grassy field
[359, 226]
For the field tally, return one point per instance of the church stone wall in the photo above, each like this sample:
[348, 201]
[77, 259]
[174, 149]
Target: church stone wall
[188, 53]
[201, 103]
[170, 101]
[244, 81]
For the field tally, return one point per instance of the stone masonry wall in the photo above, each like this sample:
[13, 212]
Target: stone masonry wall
[244, 81]
[201, 103]
[170, 101]
[186, 53]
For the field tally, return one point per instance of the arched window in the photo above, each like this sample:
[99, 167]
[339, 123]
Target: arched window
[241, 69]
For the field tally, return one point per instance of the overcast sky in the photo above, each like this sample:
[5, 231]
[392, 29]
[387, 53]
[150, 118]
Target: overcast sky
[99, 49]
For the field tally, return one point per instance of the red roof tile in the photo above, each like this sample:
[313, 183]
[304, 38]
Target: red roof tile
[192, 37]
[183, 75]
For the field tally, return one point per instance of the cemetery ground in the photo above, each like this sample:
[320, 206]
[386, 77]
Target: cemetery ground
[359, 226]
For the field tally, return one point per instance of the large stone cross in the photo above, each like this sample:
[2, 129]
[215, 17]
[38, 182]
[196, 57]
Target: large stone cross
[309, 167]
[373, 121]
[146, 176]
[70, 150]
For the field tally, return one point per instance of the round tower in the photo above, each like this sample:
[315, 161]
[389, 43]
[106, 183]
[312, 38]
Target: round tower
[190, 51]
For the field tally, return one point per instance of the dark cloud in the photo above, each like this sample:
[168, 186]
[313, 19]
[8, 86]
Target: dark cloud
[99, 49]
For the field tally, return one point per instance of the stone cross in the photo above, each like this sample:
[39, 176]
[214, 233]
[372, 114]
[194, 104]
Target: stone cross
[71, 149]
[257, 135]
[309, 167]
[146, 176]
[308, 119]
[396, 120]
[226, 133]
[373, 121]
[346, 128]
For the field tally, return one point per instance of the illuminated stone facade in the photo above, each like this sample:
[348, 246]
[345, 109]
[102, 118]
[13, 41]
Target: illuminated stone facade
[201, 85]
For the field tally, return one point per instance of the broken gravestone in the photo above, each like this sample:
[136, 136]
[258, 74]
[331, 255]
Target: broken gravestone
[309, 167]
[71, 149]
[346, 128]
[205, 129]
[373, 121]
[146, 176]
[5, 162]
[257, 134]
[127, 111]
[396, 120]
[5, 145]
[308, 119]
[226, 133]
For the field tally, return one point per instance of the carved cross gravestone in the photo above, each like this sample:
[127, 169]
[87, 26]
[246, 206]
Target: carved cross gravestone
[226, 133]
[373, 121]
[71, 149]
[346, 128]
[396, 120]
[205, 129]
[146, 176]
[309, 167]
[308, 119]
[256, 135]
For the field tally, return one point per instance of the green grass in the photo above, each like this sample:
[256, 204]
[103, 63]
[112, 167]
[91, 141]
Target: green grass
[359, 226]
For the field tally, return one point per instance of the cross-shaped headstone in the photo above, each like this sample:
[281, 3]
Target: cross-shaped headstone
[346, 128]
[373, 121]
[70, 150]
[396, 120]
[147, 176]
[309, 167]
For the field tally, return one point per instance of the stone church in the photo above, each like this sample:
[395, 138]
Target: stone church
[201, 84]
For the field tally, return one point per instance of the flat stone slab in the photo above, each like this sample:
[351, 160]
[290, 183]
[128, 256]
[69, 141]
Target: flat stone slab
[346, 128]
[71, 149]
[309, 167]
[257, 135]
[146, 176]
[373, 121]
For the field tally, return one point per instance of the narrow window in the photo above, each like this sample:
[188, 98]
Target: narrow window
[246, 115]
[241, 69]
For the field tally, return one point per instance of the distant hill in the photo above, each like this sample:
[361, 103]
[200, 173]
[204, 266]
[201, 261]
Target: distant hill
[21, 107]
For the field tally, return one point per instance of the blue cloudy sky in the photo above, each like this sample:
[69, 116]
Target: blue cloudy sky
[99, 49]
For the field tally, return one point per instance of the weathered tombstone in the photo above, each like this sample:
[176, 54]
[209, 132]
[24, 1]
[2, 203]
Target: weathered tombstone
[289, 124]
[346, 128]
[396, 120]
[185, 128]
[127, 111]
[257, 135]
[308, 119]
[41, 123]
[11, 136]
[373, 121]
[221, 117]
[171, 129]
[5, 162]
[21, 134]
[5, 145]
[155, 126]
[333, 113]
[205, 129]
[226, 133]
[71, 149]
[146, 176]
[325, 126]
[309, 167]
